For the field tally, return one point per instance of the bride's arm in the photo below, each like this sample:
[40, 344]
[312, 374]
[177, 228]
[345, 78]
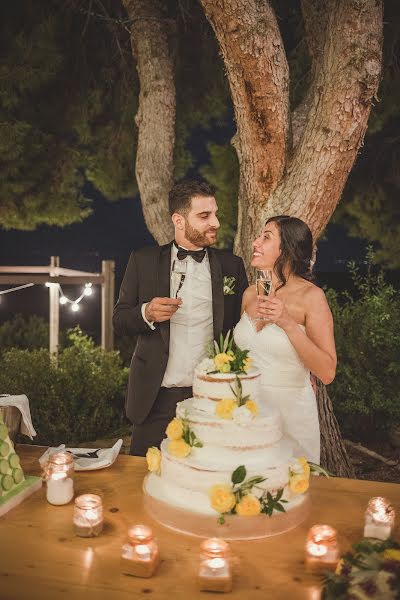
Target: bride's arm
[315, 346]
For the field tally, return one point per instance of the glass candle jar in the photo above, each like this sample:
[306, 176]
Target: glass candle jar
[88, 515]
[60, 478]
[322, 549]
[139, 556]
[215, 573]
[379, 519]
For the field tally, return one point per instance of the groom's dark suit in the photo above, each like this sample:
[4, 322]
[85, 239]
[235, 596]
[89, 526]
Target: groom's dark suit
[148, 276]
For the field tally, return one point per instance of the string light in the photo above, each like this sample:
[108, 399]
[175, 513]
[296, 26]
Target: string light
[87, 291]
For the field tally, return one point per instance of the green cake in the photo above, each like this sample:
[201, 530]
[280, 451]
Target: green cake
[14, 486]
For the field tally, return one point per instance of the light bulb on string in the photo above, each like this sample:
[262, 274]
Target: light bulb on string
[63, 300]
[88, 289]
[75, 307]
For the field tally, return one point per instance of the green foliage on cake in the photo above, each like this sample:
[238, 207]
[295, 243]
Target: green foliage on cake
[226, 357]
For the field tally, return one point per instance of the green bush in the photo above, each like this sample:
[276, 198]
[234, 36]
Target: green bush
[79, 399]
[28, 333]
[366, 391]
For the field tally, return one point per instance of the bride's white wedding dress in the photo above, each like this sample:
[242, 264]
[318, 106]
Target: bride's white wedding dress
[285, 383]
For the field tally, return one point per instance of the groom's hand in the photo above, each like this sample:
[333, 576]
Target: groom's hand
[162, 309]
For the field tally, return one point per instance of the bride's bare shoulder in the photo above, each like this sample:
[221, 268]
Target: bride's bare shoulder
[313, 294]
[249, 293]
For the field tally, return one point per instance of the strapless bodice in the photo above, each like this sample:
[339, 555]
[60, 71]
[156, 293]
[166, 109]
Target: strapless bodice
[273, 354]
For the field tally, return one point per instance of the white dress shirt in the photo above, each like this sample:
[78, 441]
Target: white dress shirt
[191, 327]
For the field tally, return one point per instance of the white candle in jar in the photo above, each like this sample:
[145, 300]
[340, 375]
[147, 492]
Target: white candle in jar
[60, 489]
[215, 571]
[379, 519]
[88, 515]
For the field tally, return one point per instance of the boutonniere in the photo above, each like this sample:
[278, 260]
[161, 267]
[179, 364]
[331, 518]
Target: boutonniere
[229, 285]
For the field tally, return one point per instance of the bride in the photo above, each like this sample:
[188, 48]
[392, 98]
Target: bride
[290, 332]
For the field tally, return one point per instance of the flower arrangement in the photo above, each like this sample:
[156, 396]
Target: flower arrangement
[371, 570]
[241, 409]
[181, 438]
[226, 357]
[238, 498]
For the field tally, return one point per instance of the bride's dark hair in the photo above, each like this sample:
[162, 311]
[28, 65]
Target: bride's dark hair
[296, 248]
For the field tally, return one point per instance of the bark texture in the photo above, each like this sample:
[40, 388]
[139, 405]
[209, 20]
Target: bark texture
[345, 41]
[334, 457]
[346, 80]
[257, 70]
[151, 33]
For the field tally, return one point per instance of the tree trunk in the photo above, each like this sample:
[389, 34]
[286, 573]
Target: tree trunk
[334, 457]
[304, 176]
[151, 31]
[258, 74]
[329, 125]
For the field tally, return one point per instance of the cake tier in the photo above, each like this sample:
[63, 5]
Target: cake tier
[208, 466]
[190, 512]
[217, 386]
[262, 432]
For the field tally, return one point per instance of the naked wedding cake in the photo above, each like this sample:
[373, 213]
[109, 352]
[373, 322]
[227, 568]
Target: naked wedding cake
[225, 468]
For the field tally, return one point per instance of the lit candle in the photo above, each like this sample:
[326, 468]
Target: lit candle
[88, 515]
[215, 571]
[379, 519]
[322, 550]
[59, 476]
[139, 556]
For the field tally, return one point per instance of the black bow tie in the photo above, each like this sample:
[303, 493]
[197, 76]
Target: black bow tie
[197, 255]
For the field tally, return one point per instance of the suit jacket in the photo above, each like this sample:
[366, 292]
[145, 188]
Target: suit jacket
[147, 276]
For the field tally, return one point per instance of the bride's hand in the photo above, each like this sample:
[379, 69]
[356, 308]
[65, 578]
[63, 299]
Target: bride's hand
[274, 310]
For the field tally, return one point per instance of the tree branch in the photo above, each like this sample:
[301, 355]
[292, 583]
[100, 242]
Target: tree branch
[151, 46]
[345, 84]
[257, 70]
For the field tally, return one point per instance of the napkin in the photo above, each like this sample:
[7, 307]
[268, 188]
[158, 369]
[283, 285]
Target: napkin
[106, 456]
[22, 403]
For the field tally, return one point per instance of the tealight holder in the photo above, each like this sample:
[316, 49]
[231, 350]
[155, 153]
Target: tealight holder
[88, 515]
[322, 549]
[59, 475]
[379, 519]
[215, 574]
[139, 556]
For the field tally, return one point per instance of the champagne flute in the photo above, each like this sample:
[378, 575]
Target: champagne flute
[263, 285]
[178, 274]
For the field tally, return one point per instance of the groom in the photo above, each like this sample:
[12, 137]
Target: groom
[173, 332]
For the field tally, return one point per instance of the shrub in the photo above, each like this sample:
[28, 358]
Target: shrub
[79, 399]
[365, 392]
[28, 333]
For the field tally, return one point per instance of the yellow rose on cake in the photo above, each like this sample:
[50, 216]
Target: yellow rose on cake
[153, 457]
[222, 360]
[306, 467]
[247, 364]
[249, 506]
[179, 448]
[252, 407]
[225, 408]
[298, 484]
[174, 430]
[222, 499]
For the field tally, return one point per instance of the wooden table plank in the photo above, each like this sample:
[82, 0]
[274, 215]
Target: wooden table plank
[41, 558]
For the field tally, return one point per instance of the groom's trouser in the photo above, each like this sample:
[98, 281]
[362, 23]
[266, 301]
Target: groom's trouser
[152, 431]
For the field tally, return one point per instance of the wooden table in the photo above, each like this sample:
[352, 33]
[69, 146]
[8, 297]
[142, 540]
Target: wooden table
[41, 558]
